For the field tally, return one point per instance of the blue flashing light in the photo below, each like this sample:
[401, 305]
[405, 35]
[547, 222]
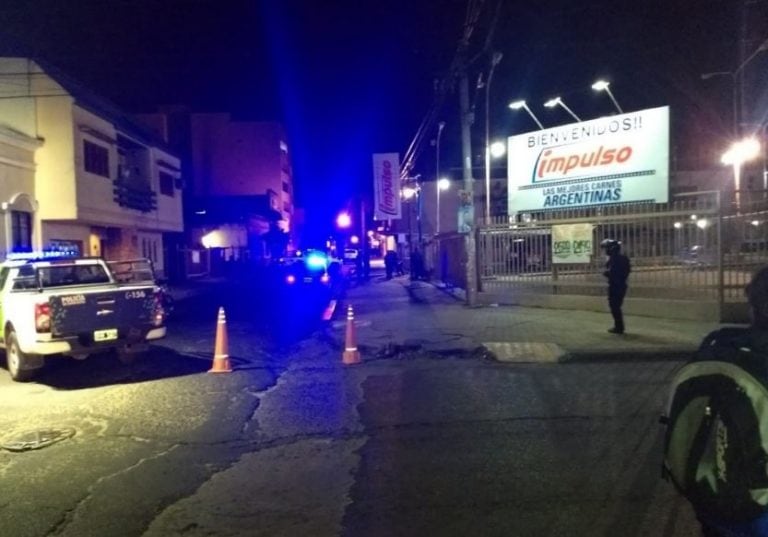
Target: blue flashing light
[41, 255]
[316, 261]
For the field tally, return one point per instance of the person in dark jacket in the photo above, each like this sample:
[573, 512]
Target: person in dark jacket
[617, 271]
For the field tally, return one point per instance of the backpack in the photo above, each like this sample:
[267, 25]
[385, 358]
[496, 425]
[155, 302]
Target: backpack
[716, 441]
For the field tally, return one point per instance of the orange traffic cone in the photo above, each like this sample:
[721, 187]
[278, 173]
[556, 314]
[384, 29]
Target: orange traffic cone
[351, 355]
[221, 347]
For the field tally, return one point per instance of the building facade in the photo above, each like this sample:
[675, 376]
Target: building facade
[103, 185]
[241, 165]
[17, 189]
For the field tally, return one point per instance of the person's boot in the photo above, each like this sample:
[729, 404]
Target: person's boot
[615, 330]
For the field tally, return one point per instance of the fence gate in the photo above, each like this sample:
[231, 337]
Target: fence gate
[694, 249]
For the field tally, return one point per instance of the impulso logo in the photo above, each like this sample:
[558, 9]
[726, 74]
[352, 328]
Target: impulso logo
[567, 161]
[387, 189]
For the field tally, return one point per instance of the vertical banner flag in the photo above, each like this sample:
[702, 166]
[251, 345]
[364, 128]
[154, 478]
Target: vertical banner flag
[572, 243]
[386, 186]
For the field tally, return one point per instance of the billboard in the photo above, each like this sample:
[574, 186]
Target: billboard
[386, 186]
[615, 159]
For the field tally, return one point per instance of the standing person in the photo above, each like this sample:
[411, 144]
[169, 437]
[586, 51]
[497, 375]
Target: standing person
[617, 271]
[390, 263]
[417, 265]
[716, 442]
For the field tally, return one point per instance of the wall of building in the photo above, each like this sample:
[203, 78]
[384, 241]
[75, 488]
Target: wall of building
[58, 232]
[17, 181]
[95, 197]
[55, 178]
[241, 158]
[234, 158]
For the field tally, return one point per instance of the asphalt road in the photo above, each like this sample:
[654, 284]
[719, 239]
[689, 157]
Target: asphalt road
[292, 443]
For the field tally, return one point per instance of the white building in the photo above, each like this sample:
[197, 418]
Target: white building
[102, 184]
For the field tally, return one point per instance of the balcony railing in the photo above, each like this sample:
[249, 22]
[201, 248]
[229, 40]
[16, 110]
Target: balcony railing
[133, 197]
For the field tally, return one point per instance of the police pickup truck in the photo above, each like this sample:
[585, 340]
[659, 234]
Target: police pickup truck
[72, 306]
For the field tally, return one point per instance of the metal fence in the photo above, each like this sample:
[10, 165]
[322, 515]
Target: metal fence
[696, 247]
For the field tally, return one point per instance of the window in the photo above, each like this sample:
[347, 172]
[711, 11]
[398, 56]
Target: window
[96, 158]
[166, 184]
[21, 231]
[286, 187]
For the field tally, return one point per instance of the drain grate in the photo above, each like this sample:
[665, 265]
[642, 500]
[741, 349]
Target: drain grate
[37, 439]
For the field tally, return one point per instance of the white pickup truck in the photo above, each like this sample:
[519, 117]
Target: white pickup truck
[72, 306]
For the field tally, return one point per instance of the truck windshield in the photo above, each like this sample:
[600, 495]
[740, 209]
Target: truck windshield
[30, 277]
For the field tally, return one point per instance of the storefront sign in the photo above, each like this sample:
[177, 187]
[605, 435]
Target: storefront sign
[386, 186]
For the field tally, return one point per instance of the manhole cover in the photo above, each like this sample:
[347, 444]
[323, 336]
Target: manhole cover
[37, 439]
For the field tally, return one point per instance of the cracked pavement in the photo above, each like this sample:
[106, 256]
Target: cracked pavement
[429, 436]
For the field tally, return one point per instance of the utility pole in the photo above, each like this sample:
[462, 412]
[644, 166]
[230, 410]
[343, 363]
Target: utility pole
[467, 118]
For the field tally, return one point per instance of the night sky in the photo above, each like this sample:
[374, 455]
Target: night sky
[352, 77]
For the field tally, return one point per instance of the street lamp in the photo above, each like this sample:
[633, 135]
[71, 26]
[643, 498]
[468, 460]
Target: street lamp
[517, 105]
[603, 85]
[734, 95]
[498, 149]
[558, 101]
[441, 184]
[733, 74]
[739, 153]
[495, 59]
[343, 220]
[440, 127]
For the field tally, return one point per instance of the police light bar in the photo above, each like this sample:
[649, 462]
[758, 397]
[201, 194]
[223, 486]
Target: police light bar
[45, 254]
[316, 261]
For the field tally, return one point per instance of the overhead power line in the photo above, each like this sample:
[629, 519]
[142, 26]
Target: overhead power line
[442, 87]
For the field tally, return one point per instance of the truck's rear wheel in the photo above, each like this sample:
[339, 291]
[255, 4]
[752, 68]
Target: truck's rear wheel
[17, 360]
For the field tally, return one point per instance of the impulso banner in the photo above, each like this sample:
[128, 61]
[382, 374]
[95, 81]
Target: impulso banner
[386, 186]
[572, 243]
[615, 159]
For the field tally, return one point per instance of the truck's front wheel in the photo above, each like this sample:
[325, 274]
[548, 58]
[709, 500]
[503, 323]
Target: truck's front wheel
[18, 361]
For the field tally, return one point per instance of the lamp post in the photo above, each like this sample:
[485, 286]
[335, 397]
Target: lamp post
[440, 127]
[739, 153]
[409, 192]
[558, 101]
[735, 87]
[734, 96]
[603, 85]
[517, 105]
[441, 184]
[495, 59]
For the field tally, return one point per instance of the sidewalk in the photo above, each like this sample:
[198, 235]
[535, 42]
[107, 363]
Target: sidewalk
[403, 314]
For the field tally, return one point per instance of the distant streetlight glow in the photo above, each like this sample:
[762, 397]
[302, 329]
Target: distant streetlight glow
[739, 153]
[409, 192]
[343, 220]
[498, 149]
[442, 184]
[354, 239]
[603, 85]
[517, 105]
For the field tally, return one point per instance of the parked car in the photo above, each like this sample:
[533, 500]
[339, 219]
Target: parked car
[351, 254]
[697, 256]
